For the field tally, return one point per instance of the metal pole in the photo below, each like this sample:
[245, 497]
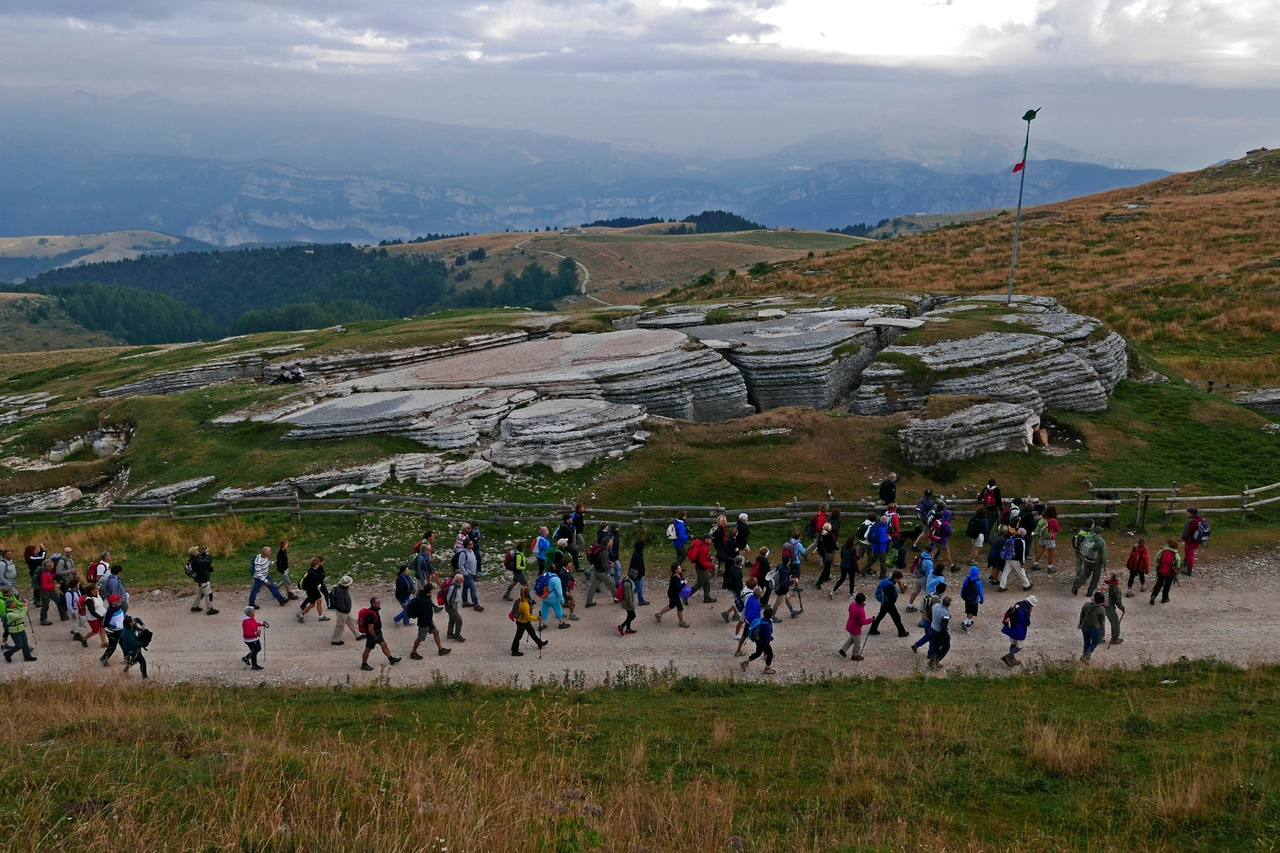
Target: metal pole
[1017, 226]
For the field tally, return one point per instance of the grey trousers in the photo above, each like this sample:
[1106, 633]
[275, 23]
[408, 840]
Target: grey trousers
[597, 580]
[455, 621]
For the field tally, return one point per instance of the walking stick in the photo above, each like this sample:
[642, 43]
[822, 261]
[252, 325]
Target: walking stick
[263, 633]
[31, 629]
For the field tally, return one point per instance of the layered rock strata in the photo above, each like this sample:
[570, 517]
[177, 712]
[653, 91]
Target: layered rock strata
[1266, 401]
[967, 433]
[565, 433]
[245, 365]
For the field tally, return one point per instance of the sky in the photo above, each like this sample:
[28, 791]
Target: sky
[1174, 84]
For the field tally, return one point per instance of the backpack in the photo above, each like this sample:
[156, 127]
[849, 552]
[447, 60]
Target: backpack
[945, 531]
[974, 529]
[864, 530]
[1171, 564]
[186, 567]
[882, 593]
[414, 609]
[1007, 551]
[1009, 616]
[1201, 534]
[593, 552]
[671, 531]
[988, 497]
[1089, 551]
[453, 561]
[921, 512]
[144, 638]
[1042, 529]
[1135, 560]
[443, 593]
[542, 586]
[360, 618]
[917, 567]
[94, 572]
[787, 553]
[617, 593]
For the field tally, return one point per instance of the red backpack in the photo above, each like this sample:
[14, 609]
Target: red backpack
[360, 619]
[443, 594]
[94, 572]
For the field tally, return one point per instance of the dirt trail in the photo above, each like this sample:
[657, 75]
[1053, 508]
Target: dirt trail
[1225, 610]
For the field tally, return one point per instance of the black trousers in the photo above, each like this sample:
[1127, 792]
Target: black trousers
[523, 628]
[113, 640]
[846, 572]
[1164, 583]
[765, 649]
[889, 609]
[626, 623]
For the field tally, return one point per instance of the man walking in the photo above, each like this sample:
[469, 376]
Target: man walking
[1115, 608]
[342, 612]
[422, 609]
[1092, 618]
[700, 556]
[1014, 553]
[941, 628]
[1091, 558]
[1167, 565]
[887, 594]
[680, 536]
[1017, 621]
[889, 489]
[453, 608]
[1194, 534]
[262, 577]
[16, 622]
[372, 628]
[467, 566]
[201, 569]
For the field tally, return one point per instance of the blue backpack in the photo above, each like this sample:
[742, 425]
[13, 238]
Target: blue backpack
[542, 585]
[882, 591]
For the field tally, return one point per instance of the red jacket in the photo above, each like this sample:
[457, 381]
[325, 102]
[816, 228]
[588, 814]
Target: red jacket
[700, 554]
[250, 627]
[48, 580]
[1139, 560]
[857, 618]
[1188, 532]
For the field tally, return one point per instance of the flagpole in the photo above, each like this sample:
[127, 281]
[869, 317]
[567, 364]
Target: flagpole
[1017, 225]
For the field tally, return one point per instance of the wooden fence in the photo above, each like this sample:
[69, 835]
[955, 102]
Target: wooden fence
[1104, 504]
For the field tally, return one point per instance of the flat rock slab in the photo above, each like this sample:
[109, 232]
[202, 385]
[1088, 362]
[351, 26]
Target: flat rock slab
[565, 433]
[967, 433]
[1266, 400]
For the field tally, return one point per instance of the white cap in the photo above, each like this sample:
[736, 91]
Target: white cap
[1031, 599]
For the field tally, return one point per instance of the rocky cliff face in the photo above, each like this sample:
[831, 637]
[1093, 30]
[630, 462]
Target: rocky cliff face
[967, 433]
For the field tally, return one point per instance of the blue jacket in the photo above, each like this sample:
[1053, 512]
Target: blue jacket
[879, 538]
[925, 568]
[404, 587]
[764, 633]
[931, 582]
[971, 589]
[751, 609]
[1021, 621]
[555, 590]
[682, 534]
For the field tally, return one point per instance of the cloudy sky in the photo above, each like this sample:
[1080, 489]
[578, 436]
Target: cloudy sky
[1168, 83]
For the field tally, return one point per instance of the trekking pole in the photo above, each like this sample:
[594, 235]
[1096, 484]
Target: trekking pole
[31, 629]
[263, 633]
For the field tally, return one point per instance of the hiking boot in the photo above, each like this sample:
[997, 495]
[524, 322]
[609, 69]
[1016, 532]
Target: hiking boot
[658, 616]
[458, 638]
[1128, 594]
[563, 625]
[415, 656]
[591, 604]
[768, 670]
[84, 642]
[857, 657]
[1117, 641]
[1051, 571]
[467, 604]
[684, 624]
[1075, 590]
[507, 597]
[1153, 601]
[197, 610]
[393, 661]
[258, 668]
[620, 631]
[517, 654]
[246, 660]
[283, 602]
[324, 617]
[443, 652]
[744, 665]
[45, 622]
[302, 619]
[1008, 660]
[336, 642]
[629, 631]
[573, 617]
[842, 653]
[911, 608]
[212, 612]
[1084, 658]
[293, 596]
[708, 601]
[477, 608]
[366, 667]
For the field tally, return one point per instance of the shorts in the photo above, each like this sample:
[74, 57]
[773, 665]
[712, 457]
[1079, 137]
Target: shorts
[313, 596]
[979, 541]
[426, 629]
[95, 625]
[1050, 544]
[372, 641]
[970, 608]
[920, 584]
[675, 602]
[519, 579]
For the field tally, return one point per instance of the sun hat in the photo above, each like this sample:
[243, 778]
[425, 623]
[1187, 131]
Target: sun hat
[1031, 599]
[346, 581]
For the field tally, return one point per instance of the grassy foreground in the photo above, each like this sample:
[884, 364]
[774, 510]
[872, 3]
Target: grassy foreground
[1056, 760]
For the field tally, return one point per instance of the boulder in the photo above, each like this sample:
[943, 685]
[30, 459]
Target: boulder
[47, 499]
[565, 433]
[969, 432]
[1266, 401]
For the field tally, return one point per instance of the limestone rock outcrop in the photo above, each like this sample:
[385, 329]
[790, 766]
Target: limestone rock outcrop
[176, 490]
[565, 433]
[357, 362]
[425, 469]
[244, 365]
[967, 433]
[1266, 401]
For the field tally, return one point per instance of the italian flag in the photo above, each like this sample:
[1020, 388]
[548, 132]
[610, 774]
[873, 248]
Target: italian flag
[1022, 164]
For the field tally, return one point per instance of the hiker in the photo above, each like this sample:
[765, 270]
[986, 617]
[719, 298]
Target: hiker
[637, 565]
[251, 631]
[733, 582]
[1016, 622]
[814, 528]
[752, 612]
[34, 556]
[785, 581]
[828, 548]
[64, 570]
[978, 531]
[313, 583]
[931, 597]
[1139, 565]
[857, 620]
[579, 521]
[113, 622]
[700, 556]
[675, 597]
[848, 567]
[940, 537]
[990, 498]
[743, 535]
[1168, 564]
[567, 585]
[15, 620]
[133, 640]
[261, 566]
[1047, 530]
[940, 630]
[468, 565]
[889, 489]
[1092, 618]
[474, 536]
[541, 545]
[598, 574]
[678, 535]
[792, 553]
[760, 571]
[921, 570]
[748, 585]
[47, 583]
[403, 593]
[925, 510]
[972, 595]
[1194, 534]
[74, 598]
[8, 571]
[423, 609]
[887, 594]
[517, 561]
[726, 552]
[549, 588]
[995, 562]
[1115, 608]
[200, 563]
[524, 623]
[453, 607]
[763, 638]
[114, 585]
[628, 603]
[370, 621]
[566, 536]
[342, 612]
[1014, 555]
[420, 560]
[1091, 558]
[863, 536]
[95, 609]
[282, 568]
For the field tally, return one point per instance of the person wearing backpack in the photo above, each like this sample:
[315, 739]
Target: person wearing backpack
[550, 590]
[516, 562]
[133, 640]
[468, 565]
[637, 563]
[95, 608]
[541, 545]
[995, 560]
[1016, 624]
[921, 571]
[1139, 565]
[200, 570]
[113, 622]
[453, 607]
[848, 567]
[752, 602]
[863, 536]
[342, 612]
[940, 538]
[598, 575]
[15, 617]
[403, 594]
[675, 600]
[990, 498]
[763, 638]
[64, 569]
[931, 598]
[251, 633]
[282, 568]
[828, 547]
[1114, 607]
[678, 535]
[628, 603]
[1168, 564]
[887, 594]
[1194, 534]
[858, 619]
[1093, 617]
[524, 623]
[74, 599]
[1091, 558]
[1047, 530]
[925, 511]
[47, 583]
[977, 533]
[972, 595]
[260, 566]
[940, 630]
[420, 561]
[567, 584]
[422, 609]
[1014, 555]
[700, 556]
[370, 621]
[8, 571]
[733, 582]
[743, 534]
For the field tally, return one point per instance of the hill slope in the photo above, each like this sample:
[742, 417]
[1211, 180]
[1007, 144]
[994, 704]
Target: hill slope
[1186, 266]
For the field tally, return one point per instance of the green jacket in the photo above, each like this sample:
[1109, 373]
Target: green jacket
[1093, 615]
[16, 617]
[1093, 541]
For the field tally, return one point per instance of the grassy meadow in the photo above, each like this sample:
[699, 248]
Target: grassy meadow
[1159, 759]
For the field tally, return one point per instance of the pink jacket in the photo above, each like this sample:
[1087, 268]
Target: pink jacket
[857, 618]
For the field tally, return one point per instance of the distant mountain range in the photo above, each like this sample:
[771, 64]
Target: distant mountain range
[266, 178]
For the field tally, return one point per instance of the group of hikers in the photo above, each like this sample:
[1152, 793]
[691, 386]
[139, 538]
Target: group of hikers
[1011, 538]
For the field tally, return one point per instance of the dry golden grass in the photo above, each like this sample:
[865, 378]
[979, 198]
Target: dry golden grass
[1063, 753]
[222, 537]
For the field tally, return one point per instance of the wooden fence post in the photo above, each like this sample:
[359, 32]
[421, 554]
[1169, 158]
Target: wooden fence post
[1244, 502]
[168, 507]
[297, 508]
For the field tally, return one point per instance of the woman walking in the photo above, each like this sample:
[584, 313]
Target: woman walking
[524, 623]
[675, 601]
[282, 567]
[763, 637]
[628, 603]
[858, 619]
[637, 566]
[848, 567]
[251, 631]
[828, 547]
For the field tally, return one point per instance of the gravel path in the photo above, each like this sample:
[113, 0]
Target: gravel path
[1222, 611]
